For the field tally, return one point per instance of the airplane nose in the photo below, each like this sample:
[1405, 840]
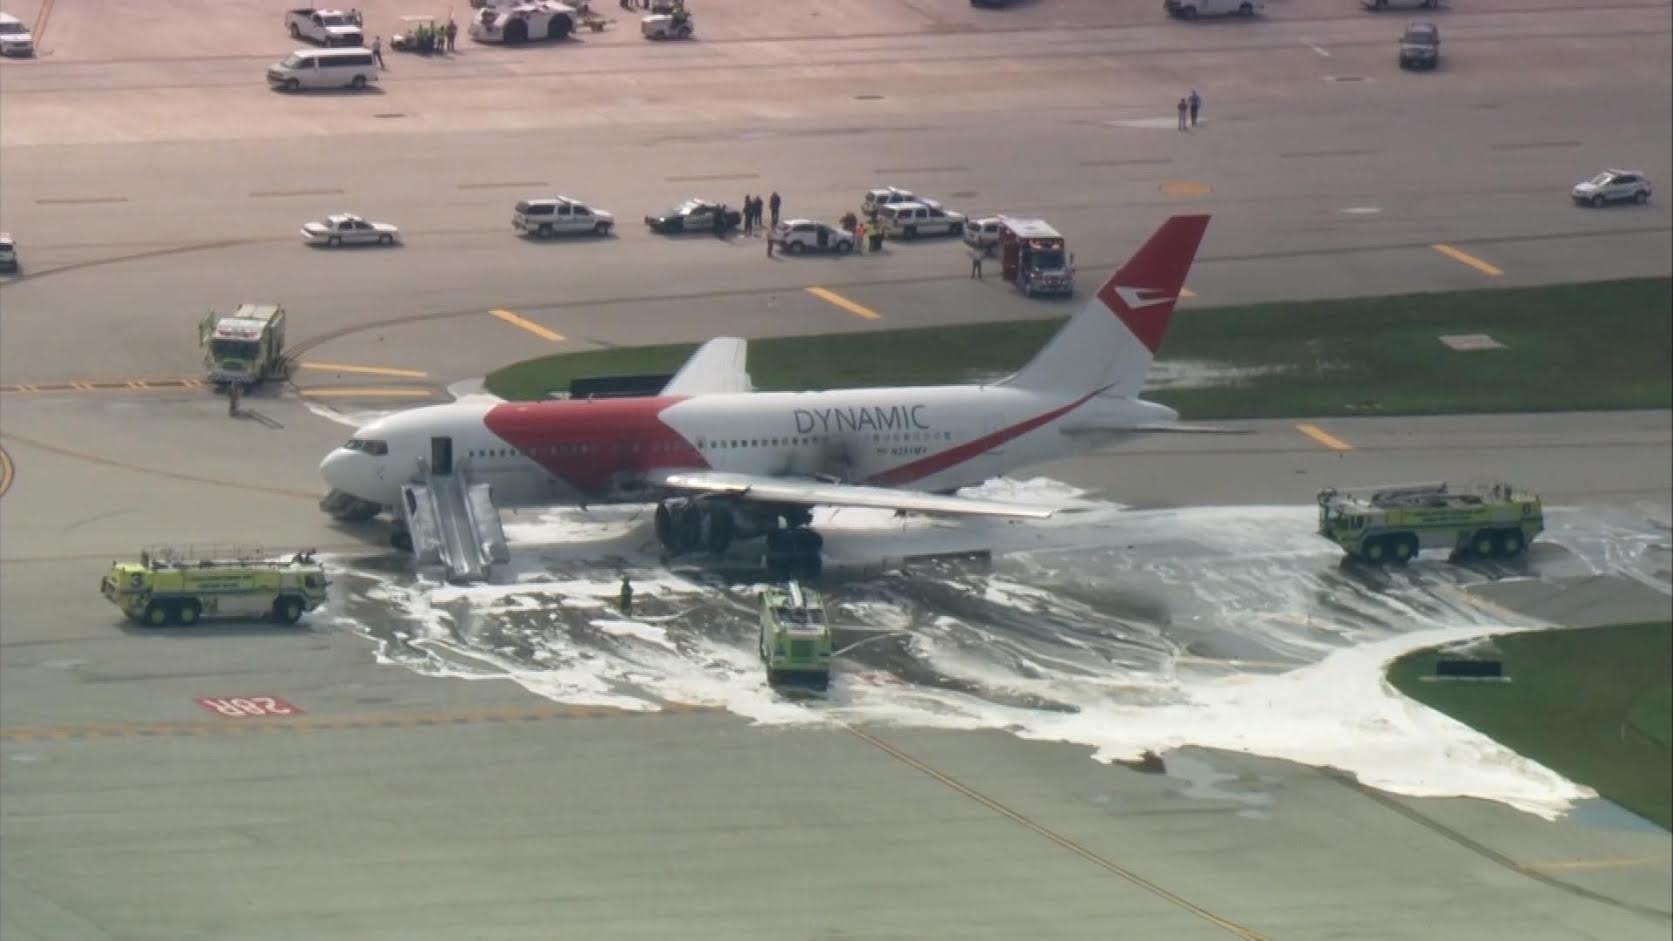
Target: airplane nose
[335, 469]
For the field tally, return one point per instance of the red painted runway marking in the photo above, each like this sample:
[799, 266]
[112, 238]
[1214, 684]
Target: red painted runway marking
[248, 707]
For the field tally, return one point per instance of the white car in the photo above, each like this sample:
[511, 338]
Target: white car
[8, 252]
[1613, 186]
[348, 229]
[810, 235]
[1400, 4]
[14, 37]
[1191, 9]
[559, 215]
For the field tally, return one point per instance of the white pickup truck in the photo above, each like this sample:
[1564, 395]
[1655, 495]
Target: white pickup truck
[326, 27]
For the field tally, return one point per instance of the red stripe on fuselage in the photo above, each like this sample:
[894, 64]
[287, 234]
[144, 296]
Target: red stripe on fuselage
[587, 443]
[954, 456]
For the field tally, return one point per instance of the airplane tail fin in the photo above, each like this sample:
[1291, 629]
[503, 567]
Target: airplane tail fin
[1109, 345]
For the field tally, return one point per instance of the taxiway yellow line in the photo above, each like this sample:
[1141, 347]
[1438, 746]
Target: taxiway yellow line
[1323, 437]
[367, 370]
[1465, 258]
[369, 392]
[519, 321]
[832, 297]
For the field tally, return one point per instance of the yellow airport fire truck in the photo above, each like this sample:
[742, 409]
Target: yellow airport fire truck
[795, 639]
[1391, 524]
[245, 346]
[170, 585]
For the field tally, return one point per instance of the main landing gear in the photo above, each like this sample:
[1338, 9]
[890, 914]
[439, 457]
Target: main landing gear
[685, 526]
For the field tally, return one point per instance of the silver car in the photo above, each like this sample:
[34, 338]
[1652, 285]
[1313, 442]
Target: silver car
[348, 229]
[1613, 186]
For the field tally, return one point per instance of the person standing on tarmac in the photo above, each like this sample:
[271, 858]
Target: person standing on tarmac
[1195, 102]
[234, 389]
[976, 254]
[773, 204]
[377, 51]
[626, 598]
[1183, 108]
[452, 34]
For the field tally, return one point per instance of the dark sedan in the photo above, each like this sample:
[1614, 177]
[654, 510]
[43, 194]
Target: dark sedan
[693, 215]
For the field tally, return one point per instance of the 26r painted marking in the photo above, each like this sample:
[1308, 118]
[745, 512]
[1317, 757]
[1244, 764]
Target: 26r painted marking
[248, 707]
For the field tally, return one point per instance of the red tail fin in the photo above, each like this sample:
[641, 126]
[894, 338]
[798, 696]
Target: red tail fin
[1142, 292]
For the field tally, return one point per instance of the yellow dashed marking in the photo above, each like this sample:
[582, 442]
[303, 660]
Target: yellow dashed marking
[1325, 438]
[524, 323]
[832, 297]
[366, 370]
[7, 472]
[1465, 258]
[365, 392]
[1185, 188]
[311, 723]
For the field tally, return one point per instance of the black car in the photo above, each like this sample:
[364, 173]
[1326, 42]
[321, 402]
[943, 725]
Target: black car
[1420, 47]
[693, 215]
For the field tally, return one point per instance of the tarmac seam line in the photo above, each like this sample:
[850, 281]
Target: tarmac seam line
[1248, 934]
[1487, 852]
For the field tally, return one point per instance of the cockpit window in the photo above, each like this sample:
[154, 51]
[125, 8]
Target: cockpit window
[371, 446]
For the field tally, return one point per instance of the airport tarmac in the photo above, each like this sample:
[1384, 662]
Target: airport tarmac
[523, 764]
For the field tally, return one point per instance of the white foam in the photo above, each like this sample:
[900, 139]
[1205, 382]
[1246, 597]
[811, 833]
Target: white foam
[1103, 614]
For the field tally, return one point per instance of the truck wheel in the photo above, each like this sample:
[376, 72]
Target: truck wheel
[1374, 550]
[601, 228]
[188, 612]
[1246, 10]
[358, 82]
[1483, 544]
[559, 28]
[1189, 13]
[1510, 544]
[794, 248]
[1641, 197]
[386, 239]
[292, 84]
[287, 610]
[157, 614]
[1403, 547]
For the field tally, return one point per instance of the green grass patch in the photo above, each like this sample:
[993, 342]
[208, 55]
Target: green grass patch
[1603, 345]
[1592, 704]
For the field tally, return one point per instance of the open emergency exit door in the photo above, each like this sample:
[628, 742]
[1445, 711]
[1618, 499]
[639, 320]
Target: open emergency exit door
[441, 455]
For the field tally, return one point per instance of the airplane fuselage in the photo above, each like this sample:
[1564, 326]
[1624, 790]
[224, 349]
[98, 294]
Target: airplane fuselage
[565, 452]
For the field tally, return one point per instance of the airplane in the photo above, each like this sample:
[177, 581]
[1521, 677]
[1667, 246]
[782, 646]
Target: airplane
[724, 463]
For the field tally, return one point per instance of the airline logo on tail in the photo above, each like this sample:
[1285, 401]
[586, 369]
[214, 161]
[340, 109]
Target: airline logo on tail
[1135, 297]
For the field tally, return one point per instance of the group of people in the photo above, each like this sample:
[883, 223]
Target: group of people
[755, 208]
[1189, 107]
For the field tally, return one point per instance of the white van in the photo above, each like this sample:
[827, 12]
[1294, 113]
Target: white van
[324, 68]
[1191, 9]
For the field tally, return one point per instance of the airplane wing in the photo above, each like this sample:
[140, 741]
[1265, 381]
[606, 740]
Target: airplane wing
[807, 491]
[717, 367]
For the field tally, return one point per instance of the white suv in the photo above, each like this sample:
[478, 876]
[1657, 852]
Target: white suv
[559, 215]
[889, 196]
[8, 252]
[910, 220]
[808, 235]
[1613, 186]
[14, 37]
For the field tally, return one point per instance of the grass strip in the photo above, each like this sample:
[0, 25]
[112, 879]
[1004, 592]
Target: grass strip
[1601, 345]
[1577, 702]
